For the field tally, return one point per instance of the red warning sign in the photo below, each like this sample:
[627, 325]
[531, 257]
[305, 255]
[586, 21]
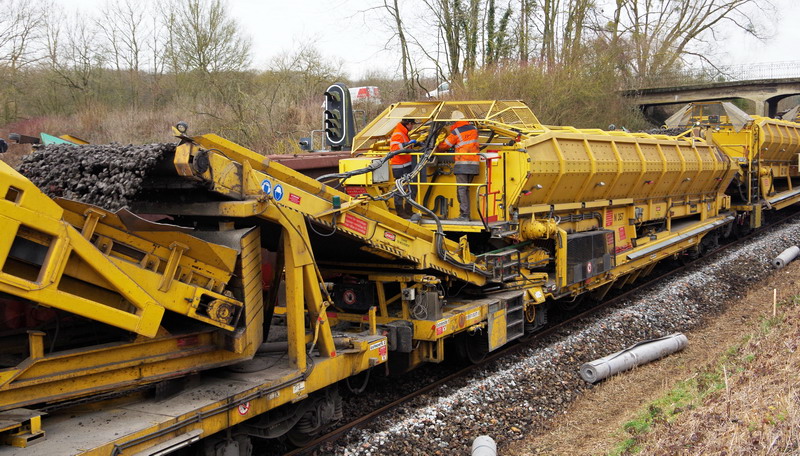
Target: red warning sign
[244, 408]
[609, 218]
[356, 224]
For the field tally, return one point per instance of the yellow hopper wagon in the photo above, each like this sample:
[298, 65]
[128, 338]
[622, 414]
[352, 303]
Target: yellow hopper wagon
[556, 211]
[766, 149]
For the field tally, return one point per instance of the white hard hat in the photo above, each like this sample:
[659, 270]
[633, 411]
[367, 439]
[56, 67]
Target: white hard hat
[456, 115]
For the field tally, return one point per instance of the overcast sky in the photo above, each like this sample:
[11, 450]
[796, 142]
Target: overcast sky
[344, 31]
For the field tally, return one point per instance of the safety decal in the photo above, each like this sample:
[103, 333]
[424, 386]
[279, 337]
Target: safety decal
[609, 217]
[380, 346]
[244, 408]
[622, 234]
[278, 192]
[390, 236]
[266, 186]
[349, 297]
[355, 191]
[474, 314]
[298, 387]
[356, 224]
[294, 198]
[441, 326]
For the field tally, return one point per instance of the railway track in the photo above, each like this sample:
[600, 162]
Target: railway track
[333, 435]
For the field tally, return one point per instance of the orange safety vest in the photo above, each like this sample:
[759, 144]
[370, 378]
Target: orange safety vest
[464, 138]
[399, 137]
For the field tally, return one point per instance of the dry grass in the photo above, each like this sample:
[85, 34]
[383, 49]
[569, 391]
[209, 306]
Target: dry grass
[678, 405]
[757, 413]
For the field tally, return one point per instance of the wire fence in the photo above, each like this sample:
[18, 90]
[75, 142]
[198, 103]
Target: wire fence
[725, 73]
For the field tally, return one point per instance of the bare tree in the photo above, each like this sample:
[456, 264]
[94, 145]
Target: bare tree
[660, 34]
[204, 38]
[74, 55]
[20, 30]
[125, 28]
[523, 32]
[406, 64]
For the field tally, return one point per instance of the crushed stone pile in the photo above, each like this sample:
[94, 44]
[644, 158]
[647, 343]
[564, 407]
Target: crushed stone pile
[665, 131]
[105, 175]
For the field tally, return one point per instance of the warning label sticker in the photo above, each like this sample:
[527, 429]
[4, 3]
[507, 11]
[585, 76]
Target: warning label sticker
[609, 217]
[441, 325]
[382, 349]
[294, 198]
[356, 224]
[380, 346]
[622, 234]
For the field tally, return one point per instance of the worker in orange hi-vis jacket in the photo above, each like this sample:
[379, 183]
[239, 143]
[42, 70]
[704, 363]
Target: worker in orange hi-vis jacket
[402, 164]
[464, 139]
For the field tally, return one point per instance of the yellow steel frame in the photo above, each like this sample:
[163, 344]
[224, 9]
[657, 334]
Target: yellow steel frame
[71, 255]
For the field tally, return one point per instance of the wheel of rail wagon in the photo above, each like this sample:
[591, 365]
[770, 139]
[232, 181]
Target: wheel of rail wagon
[473, 347]
[535, 319]
[572, 304]
[299, 439]
[691, 254]
[741, 226]
[709, 243]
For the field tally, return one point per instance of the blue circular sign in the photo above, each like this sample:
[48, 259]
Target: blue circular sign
[278, 193]
[266, 186]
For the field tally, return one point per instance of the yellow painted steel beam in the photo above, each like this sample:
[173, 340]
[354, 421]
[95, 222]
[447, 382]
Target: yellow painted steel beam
[238, 173]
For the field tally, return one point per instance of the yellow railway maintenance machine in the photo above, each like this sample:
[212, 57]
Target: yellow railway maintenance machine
[766, 149]
[556, 211]
[267, 287]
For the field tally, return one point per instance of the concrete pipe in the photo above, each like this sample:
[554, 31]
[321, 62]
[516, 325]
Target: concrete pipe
[637, 354]
[484, 446]
[786, 257]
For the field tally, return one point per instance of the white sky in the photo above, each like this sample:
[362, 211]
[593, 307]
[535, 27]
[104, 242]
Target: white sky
[342, 31]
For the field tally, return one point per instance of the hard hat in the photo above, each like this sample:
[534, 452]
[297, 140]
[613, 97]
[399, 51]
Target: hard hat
[456, 115]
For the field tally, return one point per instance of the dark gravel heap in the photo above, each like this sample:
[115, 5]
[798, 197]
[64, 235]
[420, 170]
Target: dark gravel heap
[513, 397]
[105, 175]
[665, 131]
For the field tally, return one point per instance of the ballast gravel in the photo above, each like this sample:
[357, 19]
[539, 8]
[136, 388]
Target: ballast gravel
[508, 399]
[105, 175]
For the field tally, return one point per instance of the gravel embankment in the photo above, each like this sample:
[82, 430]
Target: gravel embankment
[106, 175]
[513, 396]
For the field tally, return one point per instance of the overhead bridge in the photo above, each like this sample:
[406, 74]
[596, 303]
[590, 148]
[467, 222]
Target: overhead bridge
[764, 93]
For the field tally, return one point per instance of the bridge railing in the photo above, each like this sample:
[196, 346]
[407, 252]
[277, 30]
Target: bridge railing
[724, 73]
